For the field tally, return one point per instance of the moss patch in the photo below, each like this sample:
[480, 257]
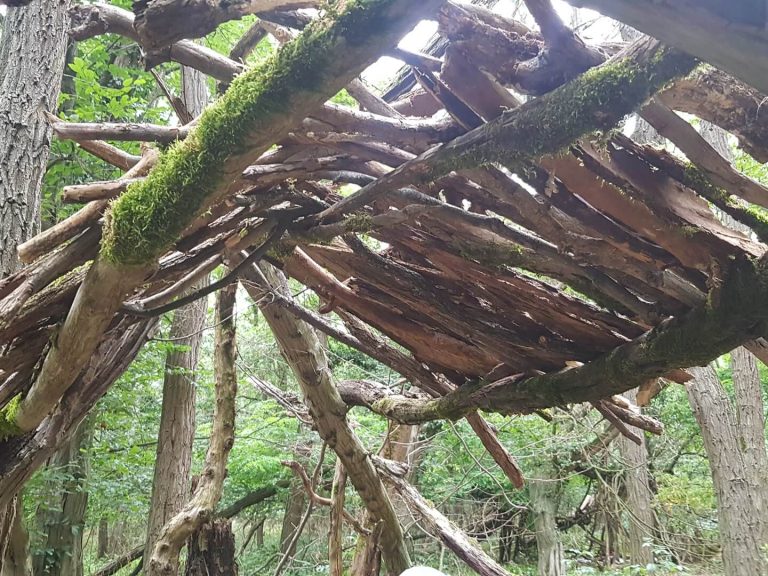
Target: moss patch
[751, 216]
[149, 217]
[8, 426]
[596, 100]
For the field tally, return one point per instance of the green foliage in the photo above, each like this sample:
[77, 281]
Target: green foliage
[8, 426]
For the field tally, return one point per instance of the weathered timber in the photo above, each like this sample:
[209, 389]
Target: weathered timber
[301, 348]
[595, 100]
[160, 23]
[733, 39]
[735, 313]
[259, 108]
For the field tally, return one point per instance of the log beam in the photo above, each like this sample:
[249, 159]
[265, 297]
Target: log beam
[733, 37]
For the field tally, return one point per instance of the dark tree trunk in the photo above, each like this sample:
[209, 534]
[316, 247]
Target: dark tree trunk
[211, 550]
[735, 475]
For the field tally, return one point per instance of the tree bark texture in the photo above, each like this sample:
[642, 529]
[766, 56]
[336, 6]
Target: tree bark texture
[545, 496]
[638, 495]
[32, 53]
[63, 526]
[165, 556]
[211, 550]
[735, 479]
[302, 350]
[170, 486]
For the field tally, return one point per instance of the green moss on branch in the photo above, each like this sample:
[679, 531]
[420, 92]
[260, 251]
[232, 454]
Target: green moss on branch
[596, 100]
[260, 105]
[751, 216]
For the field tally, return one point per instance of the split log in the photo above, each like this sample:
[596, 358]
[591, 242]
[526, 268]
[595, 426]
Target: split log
[701, 153]
[733, 315]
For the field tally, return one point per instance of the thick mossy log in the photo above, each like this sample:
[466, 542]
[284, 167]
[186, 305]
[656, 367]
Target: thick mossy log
[258, 109]
[596, 100]
[734, 313]
[260, 105]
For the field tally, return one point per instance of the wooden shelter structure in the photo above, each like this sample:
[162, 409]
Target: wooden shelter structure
[519, 248]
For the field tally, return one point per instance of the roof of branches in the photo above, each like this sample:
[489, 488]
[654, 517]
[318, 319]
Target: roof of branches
[525, 245]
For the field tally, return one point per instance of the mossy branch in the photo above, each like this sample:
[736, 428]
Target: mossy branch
[260, 105]
[735, 313]
[596, 100]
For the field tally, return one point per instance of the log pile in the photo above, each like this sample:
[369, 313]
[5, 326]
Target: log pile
[498, 242]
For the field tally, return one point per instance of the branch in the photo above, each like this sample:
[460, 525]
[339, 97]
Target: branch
[598, 99]
[298, 469]
[89, 20]
[160, 23]
[735, 40]
[734, 314]
[165, 556]
[438, 525]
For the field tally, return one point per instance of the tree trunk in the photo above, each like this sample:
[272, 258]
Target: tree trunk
[545, 494]
[31, 65]
[295, 504]
[14, 560]
[750, 419]
[170, 486]
[211, 550]
[638, 495]
[302, 350]
[735, 479]
[102, 547]
[62, 551]
[336, 522]
[164, 560]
